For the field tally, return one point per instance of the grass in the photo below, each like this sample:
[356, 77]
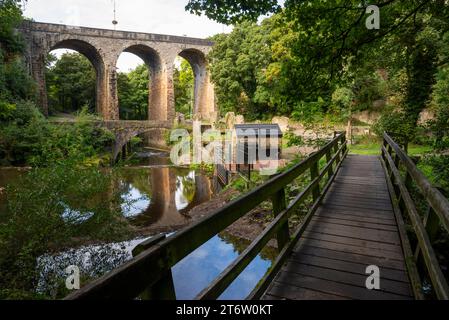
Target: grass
[370, 149]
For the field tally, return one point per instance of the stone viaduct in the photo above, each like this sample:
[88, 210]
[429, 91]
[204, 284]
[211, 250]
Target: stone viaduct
[103, 48]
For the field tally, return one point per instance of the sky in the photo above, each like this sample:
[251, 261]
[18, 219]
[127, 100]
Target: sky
[152, 16]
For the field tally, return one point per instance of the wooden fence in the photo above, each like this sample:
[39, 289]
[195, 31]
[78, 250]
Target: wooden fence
[148, 275]
[421, 260]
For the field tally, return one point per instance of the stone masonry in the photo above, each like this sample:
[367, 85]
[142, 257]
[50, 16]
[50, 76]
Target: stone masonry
[103, 48]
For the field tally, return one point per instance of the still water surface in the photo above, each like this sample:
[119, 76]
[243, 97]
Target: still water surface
[157, 195]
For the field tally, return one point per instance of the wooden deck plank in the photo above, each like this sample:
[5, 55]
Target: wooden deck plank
[352, 249]
[366, 245]
[353, 267]
[286, 292]
[355, 232]
[351, 256]
[358, 280]
[356, 215]
[335, 288]
[361, 224]
[354, 227]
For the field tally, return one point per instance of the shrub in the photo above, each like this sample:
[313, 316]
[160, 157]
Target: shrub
[50, 209]
[397, 124]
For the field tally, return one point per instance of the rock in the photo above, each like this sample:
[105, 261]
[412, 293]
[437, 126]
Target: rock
[230, 120]
[367, 116]
[425, 116]
[283, 123]
[379, 104]
[239, 119]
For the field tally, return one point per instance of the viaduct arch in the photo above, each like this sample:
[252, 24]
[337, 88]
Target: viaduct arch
[103, 47]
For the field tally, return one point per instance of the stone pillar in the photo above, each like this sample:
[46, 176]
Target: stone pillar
[37, 63]
[35, 55]
[204, 96]
[108, 93]
[161, 96]
[170, 109]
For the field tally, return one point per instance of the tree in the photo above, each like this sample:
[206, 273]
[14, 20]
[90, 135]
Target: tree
[343, 103]
[239, 63]
[232, 11]
[183, 80]
[15, 84]
[329, 42]
[133, 93]
[71, 83]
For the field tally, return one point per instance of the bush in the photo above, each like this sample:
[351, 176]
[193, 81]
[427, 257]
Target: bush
[397, 124]
[50, 209]
[28, 138]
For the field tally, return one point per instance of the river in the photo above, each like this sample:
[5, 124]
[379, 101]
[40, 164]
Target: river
[156, 198]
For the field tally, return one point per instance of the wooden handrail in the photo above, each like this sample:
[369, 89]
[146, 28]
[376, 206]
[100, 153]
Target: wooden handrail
[439, 213]
[434, 197]
[154, 263]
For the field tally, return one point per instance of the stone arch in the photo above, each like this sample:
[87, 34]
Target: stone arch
[157, 98]
[95, 58]
[204, 102]
[123, 136]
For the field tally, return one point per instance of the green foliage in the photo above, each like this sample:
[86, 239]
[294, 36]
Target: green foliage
[71, 83]
[440, 170]
[342, 102]
[133, 93]
[304, 53]
[48, 210]
[232, 11]
[14, 80]
[28, 138]
[293, 140]
[10, 18]
[183, 81]
[396, 123]
[309, 112]
[440, 103]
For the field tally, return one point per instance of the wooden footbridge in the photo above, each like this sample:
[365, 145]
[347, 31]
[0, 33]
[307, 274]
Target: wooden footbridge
[364, 212]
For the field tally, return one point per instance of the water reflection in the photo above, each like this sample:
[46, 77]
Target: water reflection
[150, 196]
[161, 196]
[196, 271]
[157, 196]
[190, 276]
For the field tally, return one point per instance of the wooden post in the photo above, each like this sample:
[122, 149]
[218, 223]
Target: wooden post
[432, 223]
[314, 173]
[328, 159]
[164, 288]
[279, 205]
[337, 153]
[396, 183]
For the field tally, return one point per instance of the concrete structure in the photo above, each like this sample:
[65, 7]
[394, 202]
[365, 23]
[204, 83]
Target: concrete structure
[103, 48]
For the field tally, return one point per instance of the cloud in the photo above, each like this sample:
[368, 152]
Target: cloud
[152, 16]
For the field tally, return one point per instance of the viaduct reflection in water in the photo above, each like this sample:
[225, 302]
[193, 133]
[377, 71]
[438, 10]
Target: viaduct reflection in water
[162, 196]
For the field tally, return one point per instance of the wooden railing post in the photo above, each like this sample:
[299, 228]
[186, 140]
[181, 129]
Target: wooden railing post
[314, 173]
[279, 205]
[337, 153]
[426, 229]
[164, 288]
[328, 160]
[149, 274]
[432, 224]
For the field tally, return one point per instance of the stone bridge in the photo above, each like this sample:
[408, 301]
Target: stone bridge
[103, 48]
[125, 130]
